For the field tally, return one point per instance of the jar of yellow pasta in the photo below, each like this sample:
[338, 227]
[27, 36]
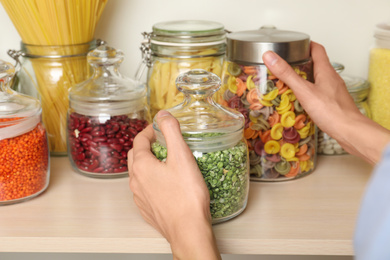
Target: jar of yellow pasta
[280, 135]
[379, 76]
[176, 47]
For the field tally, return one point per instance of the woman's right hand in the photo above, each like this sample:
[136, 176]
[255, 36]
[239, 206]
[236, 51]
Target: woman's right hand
[331, 107]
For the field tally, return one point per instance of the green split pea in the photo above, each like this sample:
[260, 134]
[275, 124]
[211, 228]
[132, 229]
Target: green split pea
[225, 173]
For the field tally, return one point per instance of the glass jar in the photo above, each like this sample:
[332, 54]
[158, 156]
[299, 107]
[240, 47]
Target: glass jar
[24, 151]
[215, 136]
[280, 135]
[175, 47]
[47, 73]
[106, 112]
[379, 76]
[358, 88]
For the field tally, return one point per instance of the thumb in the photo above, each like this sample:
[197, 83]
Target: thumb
[283, 71]
[170, 128]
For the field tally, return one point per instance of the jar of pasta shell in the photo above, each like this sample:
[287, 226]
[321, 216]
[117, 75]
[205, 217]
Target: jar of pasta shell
[24, 150]
[280, 134]
[175, 47]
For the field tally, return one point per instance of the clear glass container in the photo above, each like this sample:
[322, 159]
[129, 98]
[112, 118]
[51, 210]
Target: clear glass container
[215, 136]
[280, 135]
[359, 89]
[24, 150]
[175, 47]
[47, 73]
[105, 113]
[379, 76]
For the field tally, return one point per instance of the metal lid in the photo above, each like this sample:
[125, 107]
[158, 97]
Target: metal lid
[249, 46]
[188, 31]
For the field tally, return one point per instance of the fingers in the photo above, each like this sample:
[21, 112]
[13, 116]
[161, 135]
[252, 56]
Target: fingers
[283, 71]
[322, 65]
[170, 128]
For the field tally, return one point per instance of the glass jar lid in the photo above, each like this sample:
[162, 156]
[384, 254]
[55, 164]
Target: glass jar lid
[249, 46]
[206, 126]
[18, 113]
[357, 87]
[176, 33]
[107, 91]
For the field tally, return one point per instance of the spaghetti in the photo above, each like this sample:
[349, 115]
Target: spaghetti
[60, 28]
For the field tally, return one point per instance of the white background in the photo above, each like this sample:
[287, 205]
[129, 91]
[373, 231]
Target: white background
[344, 27]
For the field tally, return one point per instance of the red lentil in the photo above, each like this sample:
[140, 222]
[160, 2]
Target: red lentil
[24, 162]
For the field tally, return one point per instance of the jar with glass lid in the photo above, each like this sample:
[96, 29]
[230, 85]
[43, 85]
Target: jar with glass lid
[174, 47]
[215, 136]
[359, 89]
[105, 113]
[280, 134]
[24, 150]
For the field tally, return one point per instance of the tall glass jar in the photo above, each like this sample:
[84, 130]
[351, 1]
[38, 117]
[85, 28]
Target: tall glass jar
[215, 136]
[175, 47]
[47, 73]
[358, 88]
[24, 151]
[379, 76]
[106, 112]
[280, 135]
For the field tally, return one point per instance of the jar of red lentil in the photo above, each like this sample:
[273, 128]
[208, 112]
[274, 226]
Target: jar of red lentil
[105, 113]
[280, 134]
[24, 150]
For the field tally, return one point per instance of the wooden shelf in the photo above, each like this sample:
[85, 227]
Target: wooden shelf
[314, 215]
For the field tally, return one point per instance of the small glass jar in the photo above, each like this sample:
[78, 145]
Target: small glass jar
[215, 136]
[175, 47]
[47, 73]
[24, 151]
[105, 113]
[379, 76]
[280, 135]
[358, 88]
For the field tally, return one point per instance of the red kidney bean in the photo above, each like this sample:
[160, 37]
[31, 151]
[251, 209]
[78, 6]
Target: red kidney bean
[102, 147]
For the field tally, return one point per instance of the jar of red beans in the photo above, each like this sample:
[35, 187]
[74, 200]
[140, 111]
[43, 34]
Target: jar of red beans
[280, 135]
[106, 112]
[24, 150]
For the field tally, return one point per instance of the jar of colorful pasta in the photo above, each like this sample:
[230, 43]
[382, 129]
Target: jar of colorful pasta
[24, 150]
[105, 113]
[358, 88]
[175, 47]
[280, 135]
[215, 136]
[379, 76]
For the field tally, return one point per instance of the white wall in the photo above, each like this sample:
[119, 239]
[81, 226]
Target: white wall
[344, 27]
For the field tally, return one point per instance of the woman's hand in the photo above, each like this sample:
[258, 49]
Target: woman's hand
[172, 196]
[331, 107]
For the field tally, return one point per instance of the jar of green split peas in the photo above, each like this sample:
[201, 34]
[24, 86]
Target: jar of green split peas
[280, 134]
[215, 136]
[379, 76]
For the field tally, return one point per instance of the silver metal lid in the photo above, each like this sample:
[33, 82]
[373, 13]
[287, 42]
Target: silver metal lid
[249, 46]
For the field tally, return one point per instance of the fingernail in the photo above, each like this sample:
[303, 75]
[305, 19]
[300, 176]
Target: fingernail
[162, 113]
[270, 57]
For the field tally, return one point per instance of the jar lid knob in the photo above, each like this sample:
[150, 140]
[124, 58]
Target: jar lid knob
[7, 70]
[198, 82]
[105, 56]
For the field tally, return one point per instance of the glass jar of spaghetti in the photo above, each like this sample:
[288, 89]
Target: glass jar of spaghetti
[175, 47]
[24, 151]
[47, 73]
[280, 135]
[106, 112]
[215, 136]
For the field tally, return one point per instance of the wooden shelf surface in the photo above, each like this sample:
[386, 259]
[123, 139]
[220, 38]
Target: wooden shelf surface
[314, 215]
